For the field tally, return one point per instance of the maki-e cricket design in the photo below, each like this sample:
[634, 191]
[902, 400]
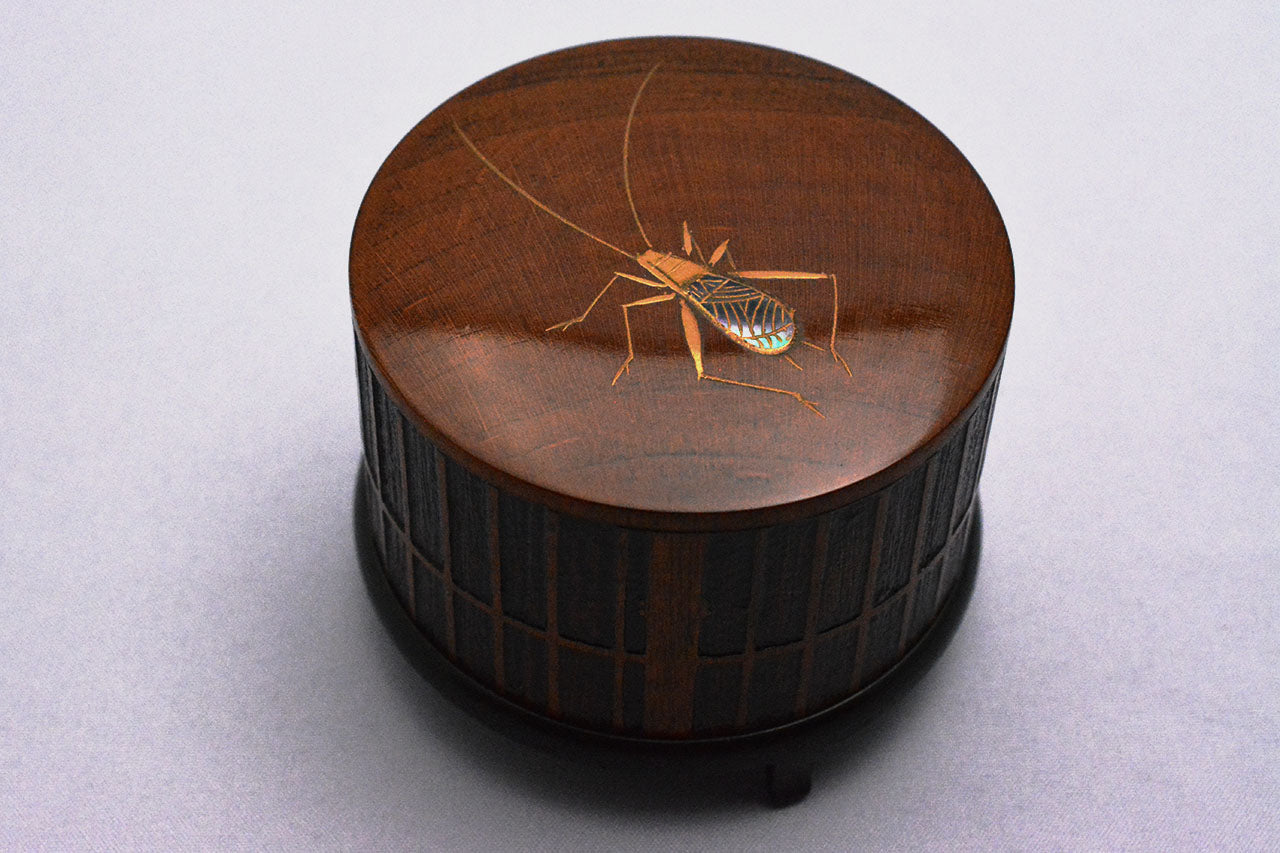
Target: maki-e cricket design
[710, 287]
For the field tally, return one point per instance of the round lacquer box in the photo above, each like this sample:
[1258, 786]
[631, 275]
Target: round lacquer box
[676, 361]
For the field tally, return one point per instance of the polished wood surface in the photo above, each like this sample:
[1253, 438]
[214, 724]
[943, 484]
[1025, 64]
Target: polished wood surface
[687, 448]
[456, 280]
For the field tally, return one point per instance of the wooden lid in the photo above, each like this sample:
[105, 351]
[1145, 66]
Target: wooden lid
[457, 280]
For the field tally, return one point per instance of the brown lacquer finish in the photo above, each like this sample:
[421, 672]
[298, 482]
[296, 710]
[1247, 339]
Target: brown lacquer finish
[456, 279]
[677, 362]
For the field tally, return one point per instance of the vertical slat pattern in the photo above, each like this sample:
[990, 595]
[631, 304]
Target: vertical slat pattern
[675, 580]
[775, 681]
[873, 568]
[986, 434]
[551, 548]
[975, 444]
[633, 697]
[586, 589]
[922, 523]
[848, 558]
[926, 601]
[664, 635]
[834, 656]
[715, 696]
[426, 530]
[368, 430]
[402, 489]
[495, 586]
[755, 604]
[953, 556]
[386, 419]
[524, 657]
[638, 554]
[395, 559]
[726, 592]
[620, 629]
[898, 544]
[468, 498]
[942, 500]
[522, 543]
[882, 639]
[446, 565]
[586, 686]
[475, 638]
[430, 602]
[788, 569]
[811, 625]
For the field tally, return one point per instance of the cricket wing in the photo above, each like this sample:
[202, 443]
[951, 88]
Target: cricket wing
[750, 317]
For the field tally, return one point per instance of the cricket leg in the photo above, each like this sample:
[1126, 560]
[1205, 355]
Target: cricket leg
[808, 276]
[718, 253]
[693, 338]
[691, 245]
[626, 320]
[560, 327]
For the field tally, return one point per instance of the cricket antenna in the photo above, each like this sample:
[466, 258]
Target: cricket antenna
[509, 182]
[626, 145]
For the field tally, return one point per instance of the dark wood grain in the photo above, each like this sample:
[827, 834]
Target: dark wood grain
[802, 167]
[662, 556]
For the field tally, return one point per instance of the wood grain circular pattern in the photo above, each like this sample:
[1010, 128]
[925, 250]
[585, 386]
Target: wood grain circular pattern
[677, 360]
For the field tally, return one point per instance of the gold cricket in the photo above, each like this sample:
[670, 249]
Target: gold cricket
[751, 318]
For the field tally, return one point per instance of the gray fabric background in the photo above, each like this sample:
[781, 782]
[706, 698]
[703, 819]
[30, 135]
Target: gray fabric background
[187, 655]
